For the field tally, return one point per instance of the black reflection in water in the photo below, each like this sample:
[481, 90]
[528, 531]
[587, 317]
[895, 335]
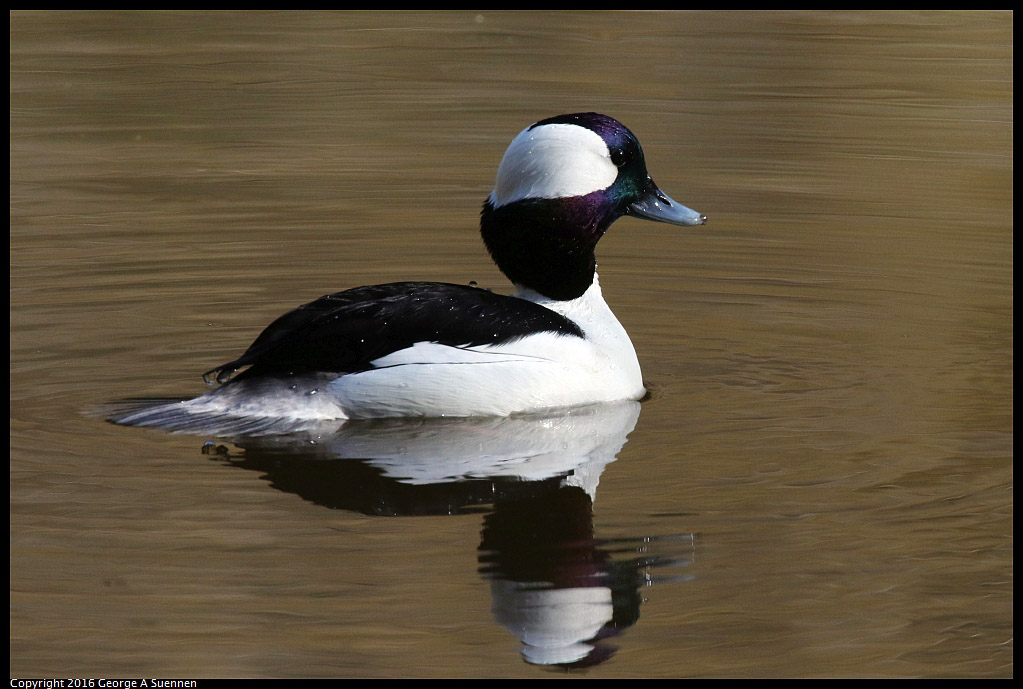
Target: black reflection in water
[563, 592]
[358, 485]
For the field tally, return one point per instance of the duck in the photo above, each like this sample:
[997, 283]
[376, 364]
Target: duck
[433, 349]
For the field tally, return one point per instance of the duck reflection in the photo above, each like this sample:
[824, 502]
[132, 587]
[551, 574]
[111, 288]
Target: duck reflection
[563, 592]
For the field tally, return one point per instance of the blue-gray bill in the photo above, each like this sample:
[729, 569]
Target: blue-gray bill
[656, 205]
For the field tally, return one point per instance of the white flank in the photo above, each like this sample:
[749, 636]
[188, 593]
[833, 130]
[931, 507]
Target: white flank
[541, 371]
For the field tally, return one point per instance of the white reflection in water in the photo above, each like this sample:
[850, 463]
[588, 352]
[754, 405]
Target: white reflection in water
[562, 590]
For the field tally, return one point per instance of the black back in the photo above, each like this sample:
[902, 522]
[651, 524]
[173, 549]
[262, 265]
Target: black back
[345, 332]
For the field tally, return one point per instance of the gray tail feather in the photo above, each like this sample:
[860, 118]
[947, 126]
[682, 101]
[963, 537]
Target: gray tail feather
[174, 415]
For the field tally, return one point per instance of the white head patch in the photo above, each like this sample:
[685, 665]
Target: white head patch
[553, 161]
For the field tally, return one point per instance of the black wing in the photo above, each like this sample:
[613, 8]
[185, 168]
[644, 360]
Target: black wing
[347, 331]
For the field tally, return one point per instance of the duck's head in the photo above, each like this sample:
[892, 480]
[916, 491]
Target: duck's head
[560, 185]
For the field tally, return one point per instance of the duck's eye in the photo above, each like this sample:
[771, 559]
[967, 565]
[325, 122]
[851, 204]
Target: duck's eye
[618, 157]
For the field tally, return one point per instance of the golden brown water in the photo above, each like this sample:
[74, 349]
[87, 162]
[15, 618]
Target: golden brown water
[822, 476]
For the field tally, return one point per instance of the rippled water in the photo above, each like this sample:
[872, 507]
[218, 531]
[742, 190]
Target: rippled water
[819, 485]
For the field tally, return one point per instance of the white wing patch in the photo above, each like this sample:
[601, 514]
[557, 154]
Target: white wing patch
[426, 353]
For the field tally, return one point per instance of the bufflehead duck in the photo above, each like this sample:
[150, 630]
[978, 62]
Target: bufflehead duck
[437, 349]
